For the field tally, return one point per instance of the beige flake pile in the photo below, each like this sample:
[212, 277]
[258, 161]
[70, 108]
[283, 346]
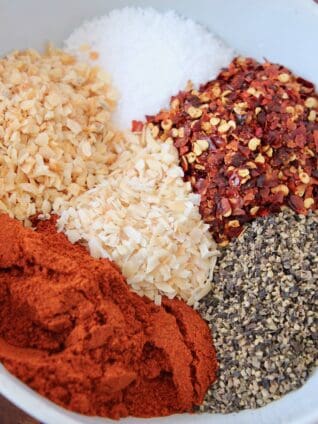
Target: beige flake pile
[54, 126]
[145, 218]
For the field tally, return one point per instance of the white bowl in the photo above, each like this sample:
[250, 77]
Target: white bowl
[284, 31]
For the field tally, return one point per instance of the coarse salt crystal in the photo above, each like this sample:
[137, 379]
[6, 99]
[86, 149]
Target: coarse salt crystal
[150, 56]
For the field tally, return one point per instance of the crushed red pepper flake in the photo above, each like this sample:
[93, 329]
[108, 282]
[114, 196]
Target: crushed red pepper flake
[137, 126]
[247, 142]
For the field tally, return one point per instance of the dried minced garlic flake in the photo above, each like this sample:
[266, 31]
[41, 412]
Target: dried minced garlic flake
[56, 139]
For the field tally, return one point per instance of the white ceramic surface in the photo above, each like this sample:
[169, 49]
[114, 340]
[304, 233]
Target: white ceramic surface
[284, 31]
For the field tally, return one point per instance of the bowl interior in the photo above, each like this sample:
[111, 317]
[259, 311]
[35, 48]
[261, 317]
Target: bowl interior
[284, 31]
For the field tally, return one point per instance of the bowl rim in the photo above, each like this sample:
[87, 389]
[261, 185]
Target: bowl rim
[302, 404]
[297, 407]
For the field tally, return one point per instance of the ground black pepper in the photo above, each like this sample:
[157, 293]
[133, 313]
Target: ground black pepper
[263, 312]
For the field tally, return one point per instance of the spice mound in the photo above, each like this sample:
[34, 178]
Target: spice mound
[146, 218]
[148, 64]
[248, 142]
[54, 130]
[263, 312]
[71, 329]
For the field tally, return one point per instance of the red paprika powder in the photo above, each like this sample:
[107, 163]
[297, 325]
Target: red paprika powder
[72, 330]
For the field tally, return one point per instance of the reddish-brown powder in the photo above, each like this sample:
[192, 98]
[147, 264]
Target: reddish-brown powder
[72, 330]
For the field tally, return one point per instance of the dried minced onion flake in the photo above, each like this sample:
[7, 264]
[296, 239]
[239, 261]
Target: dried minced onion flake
[149, 225]
[55, 132]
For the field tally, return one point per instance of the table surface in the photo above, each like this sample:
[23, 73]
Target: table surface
[9, 414]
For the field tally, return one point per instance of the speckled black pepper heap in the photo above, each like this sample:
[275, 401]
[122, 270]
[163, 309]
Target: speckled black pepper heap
[263, 312]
